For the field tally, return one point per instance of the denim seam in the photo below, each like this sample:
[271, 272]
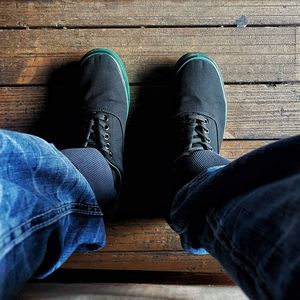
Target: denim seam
[63, 207]
[7, 246]
[94, 208]
[22, 237]
[235, 254]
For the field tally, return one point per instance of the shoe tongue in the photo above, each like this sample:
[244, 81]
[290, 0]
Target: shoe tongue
[116, 108]
[191, 104]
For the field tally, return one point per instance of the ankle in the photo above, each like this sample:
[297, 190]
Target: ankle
[96, 170]
[197, 163]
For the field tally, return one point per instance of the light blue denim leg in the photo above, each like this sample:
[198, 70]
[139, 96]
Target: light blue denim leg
[47, 211]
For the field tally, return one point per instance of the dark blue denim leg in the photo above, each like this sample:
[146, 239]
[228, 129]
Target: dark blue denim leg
[247, 215]
[47, 211]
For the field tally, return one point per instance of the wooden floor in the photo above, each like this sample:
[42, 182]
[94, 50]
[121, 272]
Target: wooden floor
[128, 292]
[255, 43]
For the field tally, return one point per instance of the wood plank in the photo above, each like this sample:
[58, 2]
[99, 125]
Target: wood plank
[173, 261]
[298, 51]
[63, 275]
[21, 107]
[233, 149]
[263, 111]
[254, 111]
[141, 235]
[243, 54]
[19, 13]
[116, 291]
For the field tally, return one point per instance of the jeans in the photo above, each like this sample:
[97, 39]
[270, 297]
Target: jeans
[246, 214]
[47, 211]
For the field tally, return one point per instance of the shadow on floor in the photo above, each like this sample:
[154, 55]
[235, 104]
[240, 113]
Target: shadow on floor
[119, 276]
[60, 122]
[148, 146]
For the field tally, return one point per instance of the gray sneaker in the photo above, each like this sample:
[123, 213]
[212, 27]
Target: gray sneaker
[200, 104]
[105, 98]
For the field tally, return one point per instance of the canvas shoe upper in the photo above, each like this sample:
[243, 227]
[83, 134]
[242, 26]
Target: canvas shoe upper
[105, 98]
[200, 104]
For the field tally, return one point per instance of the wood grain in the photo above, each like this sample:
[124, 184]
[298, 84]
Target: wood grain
[114, 291]
[67, 276]
[258, 114]
[147, 13]
[174, 261]
[233, 149]
[243, 54]
[141, 235]
[254, 111]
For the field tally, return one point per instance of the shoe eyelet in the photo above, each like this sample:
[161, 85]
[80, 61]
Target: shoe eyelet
[106, 136]
[110, 154]
[107, 145]
[208, 140]
[106, 127]
[206, 130]
[205, 121]
[106, 118]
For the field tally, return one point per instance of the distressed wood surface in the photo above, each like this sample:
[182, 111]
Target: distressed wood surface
[141, 235]
[147, 13]
[150, 36]
[114, 291]
[233, 149]
[254, 111]
[64, 275]
[173, 261]
[244, 54]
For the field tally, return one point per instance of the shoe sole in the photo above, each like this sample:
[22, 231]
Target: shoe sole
[120, 64]
[202, 56]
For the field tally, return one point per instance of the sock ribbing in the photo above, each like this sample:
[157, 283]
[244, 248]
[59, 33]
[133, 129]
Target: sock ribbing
[95, 168]
[189, 166]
